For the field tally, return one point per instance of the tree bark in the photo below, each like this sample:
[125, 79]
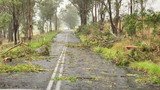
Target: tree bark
[95, 11]
[117, 17]
[131, 6]
[15, 24]
[83, 17]
[30, 27]
[50, 24]
[56, 21]
[10, 32]
[114, 30]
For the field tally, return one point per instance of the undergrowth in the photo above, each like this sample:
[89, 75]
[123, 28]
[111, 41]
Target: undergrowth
[150, 68]
[143, 55]
[20, 68]
[41, 40]
[27, 50]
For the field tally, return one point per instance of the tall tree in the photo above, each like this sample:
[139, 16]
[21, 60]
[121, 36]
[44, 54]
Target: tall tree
[83, 7]
[70, 16]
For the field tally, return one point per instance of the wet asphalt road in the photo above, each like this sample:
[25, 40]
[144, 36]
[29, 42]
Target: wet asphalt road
[73, 68]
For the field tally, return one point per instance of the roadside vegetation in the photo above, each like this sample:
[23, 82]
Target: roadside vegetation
[127, 39]
[20, 68]
[19, 25]
[137, 52]
[23, 53]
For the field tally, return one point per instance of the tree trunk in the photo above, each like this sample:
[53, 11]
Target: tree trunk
[50, 24]
[102, 16]
[83, 17]
[95, 11]
[110, 17]
[30, 27]
[131, 6]
[4, 33]
[10, 32]
[15, 24]
[117, 17]
[93, 17]
[43, 23]
[56, 21]
[0, 33]
[142, 16]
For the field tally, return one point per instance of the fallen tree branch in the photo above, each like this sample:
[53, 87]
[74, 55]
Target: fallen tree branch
[21, 43]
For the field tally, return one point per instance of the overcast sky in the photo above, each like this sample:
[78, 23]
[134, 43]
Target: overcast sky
[154, 4]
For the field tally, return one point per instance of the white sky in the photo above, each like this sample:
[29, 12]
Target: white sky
[155, 4]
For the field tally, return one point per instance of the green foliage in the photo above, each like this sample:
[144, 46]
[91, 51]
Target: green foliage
[149, 67]
[48, 9]
[130, 24]
[28, 51]
[5, 18]
[19, 52]
[41, 40]
[118, 57]
[19, 68]
[91, 36]
[70, 79]
[153, 20]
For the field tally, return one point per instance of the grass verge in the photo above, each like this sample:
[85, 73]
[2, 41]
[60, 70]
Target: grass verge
[150, 68]
[20, 68]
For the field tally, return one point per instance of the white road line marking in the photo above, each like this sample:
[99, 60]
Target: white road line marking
[58, 85]
[55, 71]
[62, 57]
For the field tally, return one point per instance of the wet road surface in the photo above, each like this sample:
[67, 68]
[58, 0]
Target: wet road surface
[73, 68]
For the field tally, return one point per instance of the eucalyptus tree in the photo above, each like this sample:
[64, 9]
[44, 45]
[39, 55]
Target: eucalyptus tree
[26, 18]
[83, 7]
[10, 8]
[70, 16]
[21, 13]
[48, 12]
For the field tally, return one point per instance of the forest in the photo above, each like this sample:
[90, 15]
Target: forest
[124, 32]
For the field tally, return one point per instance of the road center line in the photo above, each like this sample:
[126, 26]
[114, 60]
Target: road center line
[55, 71]
[60, 60]
[58, 85]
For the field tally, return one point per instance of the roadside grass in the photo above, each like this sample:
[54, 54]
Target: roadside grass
[117, 56]
[20, 68]
[28, 49]
[71, 79]
[152, 69]
[25, 51]
[41, 40]
[115, 49]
